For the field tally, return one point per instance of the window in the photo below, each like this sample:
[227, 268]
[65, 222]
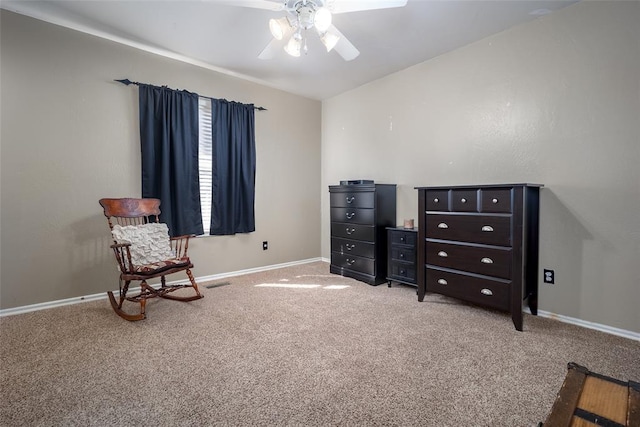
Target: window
[205, 159]
[170, 164]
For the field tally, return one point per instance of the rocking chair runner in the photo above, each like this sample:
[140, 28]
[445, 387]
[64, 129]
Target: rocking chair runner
[133, 215]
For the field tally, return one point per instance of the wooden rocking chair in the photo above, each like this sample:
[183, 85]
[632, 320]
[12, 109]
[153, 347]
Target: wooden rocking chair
[137, 216]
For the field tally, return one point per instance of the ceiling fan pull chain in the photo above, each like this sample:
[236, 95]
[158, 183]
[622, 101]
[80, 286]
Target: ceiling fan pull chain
[305, 49]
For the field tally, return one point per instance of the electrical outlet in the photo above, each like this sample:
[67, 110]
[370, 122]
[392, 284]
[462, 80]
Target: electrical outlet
[549, 276]
[265, 245]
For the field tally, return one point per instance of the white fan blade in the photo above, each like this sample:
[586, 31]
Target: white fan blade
[275, 6]
[270, 50]
[344, 47]
[344, 6]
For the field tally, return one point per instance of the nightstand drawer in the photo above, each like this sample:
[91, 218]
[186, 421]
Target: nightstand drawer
[403, 272]
[356, 199]
[354, 263]
[353, 215]
[490, 293]
[485, 229]
[488, 261]
[353, 247]
[353, 231]
[398, 237]
[399, 253]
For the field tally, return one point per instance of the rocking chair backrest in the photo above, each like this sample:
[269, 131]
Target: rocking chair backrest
[130, 211]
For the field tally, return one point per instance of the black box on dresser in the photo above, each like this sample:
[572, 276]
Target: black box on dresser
[360, 212]
[479, 243]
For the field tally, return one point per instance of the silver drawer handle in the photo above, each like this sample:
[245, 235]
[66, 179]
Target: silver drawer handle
[350, 230]
[487, 228]
[350, 199]
[436, 200]
[443, 225]
[486, 261]
[349, 247]
[350, 261]
[486, 291]
[350, 215]
[463, 200]
[442, 282]
[443, 254]
[494, 201]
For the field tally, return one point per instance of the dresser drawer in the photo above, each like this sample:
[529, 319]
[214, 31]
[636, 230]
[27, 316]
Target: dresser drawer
[495, 200]
[484, 229]
[356, 199]
[463, 200]
[400, 253]
[354, 263]
[490, 293]
[353, 231]
[437, 200]
[398, 237]
[402, 272]
[353, 215]
[353, 247]
[495, 262]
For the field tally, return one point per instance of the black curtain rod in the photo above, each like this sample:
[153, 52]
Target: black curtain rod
[129, 82]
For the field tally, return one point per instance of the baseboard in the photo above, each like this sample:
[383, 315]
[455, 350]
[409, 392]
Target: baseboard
[52, 304]
[590, 325]
[255, 270]
[103, 295]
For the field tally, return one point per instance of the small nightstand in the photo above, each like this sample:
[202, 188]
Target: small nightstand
[402, 255]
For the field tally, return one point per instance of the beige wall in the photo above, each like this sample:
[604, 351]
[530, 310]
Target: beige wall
[556, 102]
[69, 136]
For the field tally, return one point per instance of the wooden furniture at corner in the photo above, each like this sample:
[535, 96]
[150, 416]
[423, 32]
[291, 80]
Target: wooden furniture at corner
[402, 254]
[589, 399]
[479, 243]
[359, 214]
[129, 211]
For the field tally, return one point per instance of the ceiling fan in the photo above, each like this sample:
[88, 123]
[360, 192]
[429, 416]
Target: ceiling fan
[311, 15]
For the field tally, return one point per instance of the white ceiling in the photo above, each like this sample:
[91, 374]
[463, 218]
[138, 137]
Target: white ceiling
[230, 38]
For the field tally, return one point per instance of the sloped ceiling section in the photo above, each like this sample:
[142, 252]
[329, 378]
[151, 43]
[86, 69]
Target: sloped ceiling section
[225, 38]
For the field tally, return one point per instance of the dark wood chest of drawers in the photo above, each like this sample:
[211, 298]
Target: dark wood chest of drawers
[359, 215]
[480, 244]
[402, 254]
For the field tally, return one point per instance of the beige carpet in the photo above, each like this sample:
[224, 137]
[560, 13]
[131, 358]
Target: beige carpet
[333, 352]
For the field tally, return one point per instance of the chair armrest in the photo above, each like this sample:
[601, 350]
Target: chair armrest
[180, 245]
[123, 256]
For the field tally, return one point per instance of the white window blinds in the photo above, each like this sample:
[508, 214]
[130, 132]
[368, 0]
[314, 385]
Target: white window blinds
[205, 159]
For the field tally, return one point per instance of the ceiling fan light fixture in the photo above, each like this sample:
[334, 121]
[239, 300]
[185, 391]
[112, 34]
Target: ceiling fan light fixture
[294, 45]
[279, 27]
[322, 19]
[303, 15]
[329, 40]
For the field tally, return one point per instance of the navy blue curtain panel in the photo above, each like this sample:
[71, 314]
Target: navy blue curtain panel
[169, 143]
[234, 168]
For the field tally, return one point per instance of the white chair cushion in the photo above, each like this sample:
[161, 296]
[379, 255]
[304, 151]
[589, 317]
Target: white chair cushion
[149, 242]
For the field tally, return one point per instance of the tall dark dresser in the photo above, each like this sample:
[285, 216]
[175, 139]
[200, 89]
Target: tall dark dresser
[360, 212]
[479, 243]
